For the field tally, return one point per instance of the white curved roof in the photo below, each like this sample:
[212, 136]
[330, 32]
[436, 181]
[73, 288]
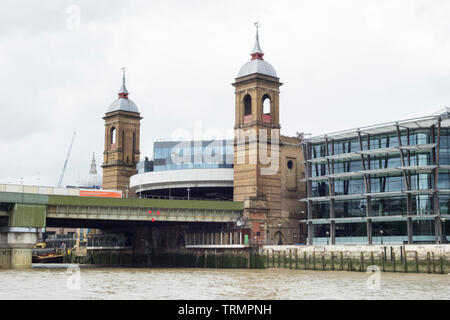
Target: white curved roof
[257, 66]
[124, 104]
[218, 177]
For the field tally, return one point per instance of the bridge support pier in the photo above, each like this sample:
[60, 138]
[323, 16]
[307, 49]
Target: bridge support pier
[16, 245]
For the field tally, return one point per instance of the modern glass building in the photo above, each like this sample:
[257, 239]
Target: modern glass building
[177, 155]
[387, 183]
[207, 154]
[187, 169]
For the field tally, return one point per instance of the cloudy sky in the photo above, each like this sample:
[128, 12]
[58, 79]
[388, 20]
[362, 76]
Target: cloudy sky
[344, 64]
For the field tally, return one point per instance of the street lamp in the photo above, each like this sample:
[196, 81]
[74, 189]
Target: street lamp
[280, 242]
[328, 233]
[381, 233]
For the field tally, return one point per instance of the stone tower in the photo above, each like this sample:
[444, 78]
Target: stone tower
[257, 179]
[122, 134]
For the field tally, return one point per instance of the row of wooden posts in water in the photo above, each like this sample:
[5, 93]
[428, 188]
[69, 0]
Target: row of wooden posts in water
[358, 261]
[289, 259]
[171, 260]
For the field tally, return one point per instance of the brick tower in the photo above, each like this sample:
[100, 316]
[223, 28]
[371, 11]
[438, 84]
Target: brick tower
[257, 179]
[121, 153]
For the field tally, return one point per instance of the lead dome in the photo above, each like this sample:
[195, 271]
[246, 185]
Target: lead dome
[257, 64]
[122, 102]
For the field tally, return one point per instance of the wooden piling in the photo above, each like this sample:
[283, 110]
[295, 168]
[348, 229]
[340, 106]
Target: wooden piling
[304, 258]
[332, 261]
[323, 261]
[434, 262]
[361, 261]
[405, 262]
[279, 259]
[416, 258]
[393, 260]
[350, 266]
[290, 258]
[266, 262]
[314, 260]
[273, 258]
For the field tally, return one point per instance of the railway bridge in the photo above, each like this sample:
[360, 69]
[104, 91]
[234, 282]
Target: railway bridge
[24, 215]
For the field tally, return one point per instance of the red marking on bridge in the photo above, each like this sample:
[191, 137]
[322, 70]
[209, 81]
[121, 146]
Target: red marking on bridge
[149, 211]
[153, 219]
[157, 213]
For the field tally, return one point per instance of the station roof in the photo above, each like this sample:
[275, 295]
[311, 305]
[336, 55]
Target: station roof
[414, 123]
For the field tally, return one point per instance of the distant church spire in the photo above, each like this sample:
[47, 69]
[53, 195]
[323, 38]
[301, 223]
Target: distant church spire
[123, 93]
[257, 52]
[93, 169]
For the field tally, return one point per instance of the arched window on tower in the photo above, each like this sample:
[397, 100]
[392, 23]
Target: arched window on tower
[122, 145]
[247, 108]
[113, 138]
[134, 145]
[266, 116]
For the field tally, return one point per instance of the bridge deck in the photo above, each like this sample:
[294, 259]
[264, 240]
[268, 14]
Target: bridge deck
[76, 207]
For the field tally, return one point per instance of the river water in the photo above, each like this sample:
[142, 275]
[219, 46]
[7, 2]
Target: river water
[48, 282]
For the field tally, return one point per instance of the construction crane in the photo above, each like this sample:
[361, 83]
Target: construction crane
[65, 162]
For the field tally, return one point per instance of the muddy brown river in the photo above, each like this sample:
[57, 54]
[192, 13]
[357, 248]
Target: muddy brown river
[71, 282]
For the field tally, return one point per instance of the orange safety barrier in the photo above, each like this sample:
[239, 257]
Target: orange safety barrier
[103, 194]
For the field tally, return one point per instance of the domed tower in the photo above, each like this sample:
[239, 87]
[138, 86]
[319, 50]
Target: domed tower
[257, 179]
[122, 134]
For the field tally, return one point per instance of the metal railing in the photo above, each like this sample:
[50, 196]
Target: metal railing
[108, 240]
[143, 196]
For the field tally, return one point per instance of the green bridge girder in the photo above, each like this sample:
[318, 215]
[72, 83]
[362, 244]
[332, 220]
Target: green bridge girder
[31, 210]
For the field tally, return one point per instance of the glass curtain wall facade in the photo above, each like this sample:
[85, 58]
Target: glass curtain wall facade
[177, 155]
[379, 184]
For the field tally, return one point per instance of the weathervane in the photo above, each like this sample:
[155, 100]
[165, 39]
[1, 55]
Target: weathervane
[257, 25]
[123, 90]
[123, 72]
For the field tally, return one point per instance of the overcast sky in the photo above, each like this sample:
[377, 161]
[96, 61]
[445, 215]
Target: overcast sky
[344, 64]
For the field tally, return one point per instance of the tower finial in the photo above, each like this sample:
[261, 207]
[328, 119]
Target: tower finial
[123, 93]
[257, 52]
[257, 25]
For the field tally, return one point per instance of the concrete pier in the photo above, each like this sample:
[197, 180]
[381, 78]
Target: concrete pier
[16, 245]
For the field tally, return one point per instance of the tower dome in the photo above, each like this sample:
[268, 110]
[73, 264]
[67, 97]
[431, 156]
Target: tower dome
[257, 64]
[122, 102]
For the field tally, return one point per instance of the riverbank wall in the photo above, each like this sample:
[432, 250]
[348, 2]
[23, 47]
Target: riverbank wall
[401, 258]
[389, 258]
[194, 259]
